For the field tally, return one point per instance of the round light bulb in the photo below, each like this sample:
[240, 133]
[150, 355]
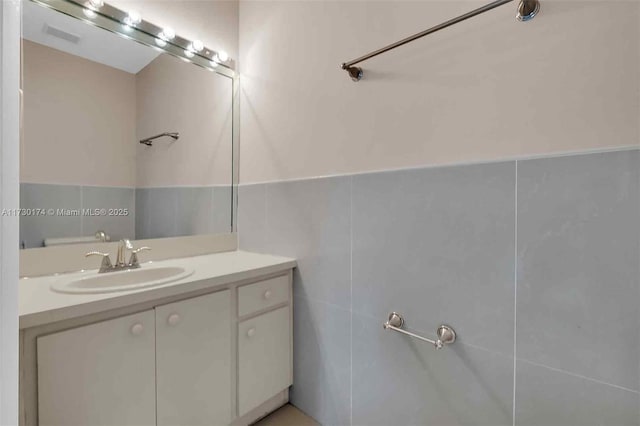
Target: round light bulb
[197, 45]
[188, 53]
[133, 18]
[160, 42]
[168, 34]
[213, 63]
[96, 4]
[223, 56]
[89, 13]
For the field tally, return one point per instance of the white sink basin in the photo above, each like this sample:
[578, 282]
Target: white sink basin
[133, 279]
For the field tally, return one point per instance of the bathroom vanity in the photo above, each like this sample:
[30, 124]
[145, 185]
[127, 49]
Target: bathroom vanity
[192, 338]
[214, 347]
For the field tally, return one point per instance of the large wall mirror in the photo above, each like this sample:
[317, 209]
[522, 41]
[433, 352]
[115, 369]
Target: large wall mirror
[128, 132]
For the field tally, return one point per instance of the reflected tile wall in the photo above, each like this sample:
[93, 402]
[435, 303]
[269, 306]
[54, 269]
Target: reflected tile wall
[117, 225]
[222, 209]
[549, 244]
[151, 212]
[34, 229]
[179, 211]
[156, 212]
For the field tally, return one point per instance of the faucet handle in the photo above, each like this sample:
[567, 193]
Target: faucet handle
[133, 260]
[96, 253]
[106, 261]
[138, 250]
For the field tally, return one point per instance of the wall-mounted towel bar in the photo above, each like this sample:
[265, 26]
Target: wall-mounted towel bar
[446, 335]
[527, 10]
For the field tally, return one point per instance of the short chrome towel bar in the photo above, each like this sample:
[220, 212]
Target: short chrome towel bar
[446, 335]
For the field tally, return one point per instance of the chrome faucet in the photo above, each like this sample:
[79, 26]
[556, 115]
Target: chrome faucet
[120, 265]
[123, 246]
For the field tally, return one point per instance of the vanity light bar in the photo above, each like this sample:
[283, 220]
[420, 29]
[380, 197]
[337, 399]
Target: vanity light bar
[131, 25]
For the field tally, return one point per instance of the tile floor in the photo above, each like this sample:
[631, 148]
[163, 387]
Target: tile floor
[287, 415]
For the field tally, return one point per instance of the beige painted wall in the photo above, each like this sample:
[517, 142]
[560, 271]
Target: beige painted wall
[83, 121]
[215, 22]
[79, 120]
[174, 96]
[486, 89]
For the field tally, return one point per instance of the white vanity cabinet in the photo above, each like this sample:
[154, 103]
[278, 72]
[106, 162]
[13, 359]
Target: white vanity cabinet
[264, 341]
[193, 361]
[216, 356]
[264, 358]
[104, 372]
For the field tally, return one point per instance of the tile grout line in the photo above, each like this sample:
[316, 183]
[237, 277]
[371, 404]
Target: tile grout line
[515, 294]
[554, 155]
[323, 302]
[81, 207]
[133, 212]
[212, 222]
[266, 218]
[175, 212]
[351, 300]
[237, 200]
[569, 373]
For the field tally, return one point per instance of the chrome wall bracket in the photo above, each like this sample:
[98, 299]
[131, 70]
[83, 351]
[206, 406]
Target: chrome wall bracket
[446, 335]
[527, 10]
[354, 72]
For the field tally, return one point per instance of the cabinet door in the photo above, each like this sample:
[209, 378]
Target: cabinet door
[193, 350]
[99, 374]
[264, 358]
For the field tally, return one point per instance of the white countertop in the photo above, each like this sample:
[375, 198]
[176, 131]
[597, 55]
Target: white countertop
[40, 305]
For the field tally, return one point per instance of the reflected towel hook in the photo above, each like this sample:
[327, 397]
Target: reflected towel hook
[148, 141]
[446, 335]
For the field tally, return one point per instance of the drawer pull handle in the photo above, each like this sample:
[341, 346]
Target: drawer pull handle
[251, 332]
[137, 329]
[173, 319]
[267, 295]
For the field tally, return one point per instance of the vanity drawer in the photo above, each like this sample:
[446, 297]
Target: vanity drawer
[263, 295]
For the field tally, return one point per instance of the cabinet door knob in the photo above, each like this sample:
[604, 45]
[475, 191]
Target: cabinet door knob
[173, 319]
[251, 332]
[137, 329]
[267, 294]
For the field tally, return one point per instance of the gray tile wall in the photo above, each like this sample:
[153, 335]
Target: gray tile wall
[34, 229]
[535, 263]
[153, 212]
[179, 211]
